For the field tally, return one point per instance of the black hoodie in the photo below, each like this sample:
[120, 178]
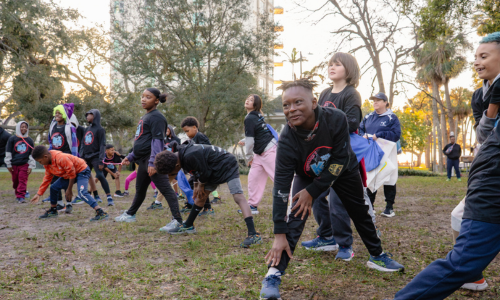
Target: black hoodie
[322, 155]
[93, 144]
[4, 138]
[207, 163]
[348, 101]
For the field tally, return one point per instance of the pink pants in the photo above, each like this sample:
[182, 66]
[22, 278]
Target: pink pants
[262, 167]
[20, 179]
[131, 177]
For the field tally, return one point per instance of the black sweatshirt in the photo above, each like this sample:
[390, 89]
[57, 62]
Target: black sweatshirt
[4, 138]
[152, 126]
[455, 152]
[207, 163]
[323, 158]
[256, 128]
[348, 101]
[200, 138]
[94, 139]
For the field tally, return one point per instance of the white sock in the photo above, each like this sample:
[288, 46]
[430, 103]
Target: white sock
[273, 271]
[60, 202]
[126, 191]
[329, 237]
[157, 202]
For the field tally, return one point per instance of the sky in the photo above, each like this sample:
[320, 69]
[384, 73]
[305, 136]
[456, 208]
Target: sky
[315, 42]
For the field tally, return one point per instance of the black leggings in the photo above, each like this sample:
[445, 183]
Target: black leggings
[349, 189]
[162, 184]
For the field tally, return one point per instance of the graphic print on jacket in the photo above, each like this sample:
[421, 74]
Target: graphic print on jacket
[317, 160]
[20, 147]
[138, 131]
[89, 138]
[57, 140]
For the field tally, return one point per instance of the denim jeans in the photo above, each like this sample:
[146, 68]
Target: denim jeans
[82, 184]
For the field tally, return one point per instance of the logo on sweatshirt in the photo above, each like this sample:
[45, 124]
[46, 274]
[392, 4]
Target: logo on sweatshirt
[57, 140]
[89, 138]
[20, 147]
[138, 131]
[317, 160]
[383, 123]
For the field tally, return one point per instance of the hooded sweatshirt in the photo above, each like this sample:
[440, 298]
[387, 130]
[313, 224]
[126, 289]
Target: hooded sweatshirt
[63, 138]
[481, 99]
[322, 154]
[172, 137]
[348, 101]
[4, 138]
[19, 148]
[384, 126]
[94, 139]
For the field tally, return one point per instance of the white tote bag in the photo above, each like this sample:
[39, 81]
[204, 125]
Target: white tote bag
[387, 172]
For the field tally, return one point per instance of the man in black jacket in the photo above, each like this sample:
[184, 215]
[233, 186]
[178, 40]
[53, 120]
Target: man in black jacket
[452, 152]
[4, 138]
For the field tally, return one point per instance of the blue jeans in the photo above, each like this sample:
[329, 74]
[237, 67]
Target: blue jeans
[452, 163]
[82, 183]
[477, 245]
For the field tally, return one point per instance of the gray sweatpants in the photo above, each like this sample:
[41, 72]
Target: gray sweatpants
[333, 218]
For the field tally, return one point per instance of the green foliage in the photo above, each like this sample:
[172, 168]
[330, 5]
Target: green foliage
[367, 107]
[414, 130]
[203, 53]
[413, 172]
[488, 19]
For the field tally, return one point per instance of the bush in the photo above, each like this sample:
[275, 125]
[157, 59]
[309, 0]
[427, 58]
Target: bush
[411, 172]
[244, 170]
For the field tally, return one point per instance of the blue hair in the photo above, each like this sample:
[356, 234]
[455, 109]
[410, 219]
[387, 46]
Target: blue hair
[491, 38]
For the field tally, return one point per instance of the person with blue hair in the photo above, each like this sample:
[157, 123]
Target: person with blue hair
[478, 222]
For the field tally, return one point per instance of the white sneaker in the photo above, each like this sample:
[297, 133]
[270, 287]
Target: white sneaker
[125, 218]
[479, 285]
[173, 224]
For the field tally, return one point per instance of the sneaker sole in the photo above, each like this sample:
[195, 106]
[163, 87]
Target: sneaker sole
[153, 208]
[389, 215]
[324, 248]
[475, 287]
[184, 232]
[50, 217]
[118, 196]
[111, 204]
[272, 298]
[345, 259]
[372, 265]
[126, 221]
[105, 218]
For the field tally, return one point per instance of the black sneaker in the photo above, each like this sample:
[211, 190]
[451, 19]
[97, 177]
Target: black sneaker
[119, 194]
[61, 208]
[216, 200]
[187, 208]
[251, 240]
[100, 215]
[155, 206]
[388, 212]
[69, 208]
[50, 213]
[126, 193]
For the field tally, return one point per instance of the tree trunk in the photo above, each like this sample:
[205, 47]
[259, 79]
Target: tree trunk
[449, 108]
[435, 121]
[464, 134]
[444, 134]
[428, 152]
[419, 160]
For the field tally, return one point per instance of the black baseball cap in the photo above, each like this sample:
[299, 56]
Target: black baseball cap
[380, 96]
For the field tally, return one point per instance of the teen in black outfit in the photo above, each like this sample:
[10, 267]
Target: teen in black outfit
[149, 141]
[315, 146]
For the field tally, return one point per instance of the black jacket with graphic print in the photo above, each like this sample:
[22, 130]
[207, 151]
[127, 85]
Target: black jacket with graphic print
[207, 163]
[93, 143]
[323, 158]
[348, 101]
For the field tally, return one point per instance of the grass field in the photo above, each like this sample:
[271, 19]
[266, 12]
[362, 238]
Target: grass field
[70, 258]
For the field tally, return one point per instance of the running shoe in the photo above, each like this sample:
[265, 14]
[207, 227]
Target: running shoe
[155, 205]
[321, 244]
[181, 229]
[345, 253]
[448, 179]
[21, 200]
[388, 212]
[253, 209]
[100, 215]
[251, 240]
[186, 209]
[479, 285]
[125, 218]
[271, 288]
[61, 208]
[181, 197]
[207, 212]
[460, 179]
[118, 194]
[111, 202]
[50, 213]
[384, 263]
[77, 200]
[98, 199]
[27, 195]
[69, 208]
[173, 224]
[216, 200]
[46, 199]
[126, 193]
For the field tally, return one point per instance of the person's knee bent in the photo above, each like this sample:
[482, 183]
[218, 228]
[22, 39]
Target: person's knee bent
[199, 202]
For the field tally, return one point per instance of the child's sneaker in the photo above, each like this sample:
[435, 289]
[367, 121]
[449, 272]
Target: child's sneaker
[125, 218]
[216, 200]
[97, 199]
[251, 240]
[460, 179]
[69, 208]
[21, 200]
[388, 212]
[345, 253]
[46, 200]
[321, 244]
[118, 194]
[181, 229]
[207, 212]
[384, 263]
[479, 285]
[27, 195]
[271, 288]
[186, 209]
[155, 205]
[61, 208]
[111, 202]
[100, 215]
[173, 224]
[181, 197]
[77, 200]
[253, 209]
[126, 193]
[50, 213]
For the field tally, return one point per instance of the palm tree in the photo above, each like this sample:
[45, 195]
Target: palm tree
[462, 110]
